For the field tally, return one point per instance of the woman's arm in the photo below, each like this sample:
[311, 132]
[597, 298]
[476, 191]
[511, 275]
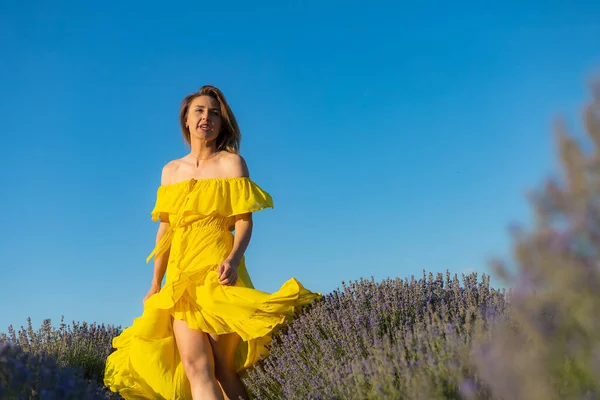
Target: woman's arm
[160, 262]
[243, 233]
[235, 165]
[228, 270]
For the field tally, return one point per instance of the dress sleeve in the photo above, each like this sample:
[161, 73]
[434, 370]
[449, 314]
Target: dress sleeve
[168, 201]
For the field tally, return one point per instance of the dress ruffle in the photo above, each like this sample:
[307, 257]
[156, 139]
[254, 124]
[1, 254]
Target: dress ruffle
[223, 196]
[147, 364]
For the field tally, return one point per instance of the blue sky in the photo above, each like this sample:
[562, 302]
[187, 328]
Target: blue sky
[393, 138]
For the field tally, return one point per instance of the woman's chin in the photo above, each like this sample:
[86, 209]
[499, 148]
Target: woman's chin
[204, 137]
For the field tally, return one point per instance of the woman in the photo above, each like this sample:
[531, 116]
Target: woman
[207, 323]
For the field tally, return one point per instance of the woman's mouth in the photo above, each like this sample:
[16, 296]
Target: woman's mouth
[205, 127]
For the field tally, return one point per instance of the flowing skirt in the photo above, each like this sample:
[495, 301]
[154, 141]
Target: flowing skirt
[146, 362]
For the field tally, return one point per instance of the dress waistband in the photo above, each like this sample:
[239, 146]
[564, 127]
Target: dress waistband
[180, 223]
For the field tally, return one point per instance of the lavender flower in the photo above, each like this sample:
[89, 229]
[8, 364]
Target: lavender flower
[392, 339]
[53, 363]
[28, 376]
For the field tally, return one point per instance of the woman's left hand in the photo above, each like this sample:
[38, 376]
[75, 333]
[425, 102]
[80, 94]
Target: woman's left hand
[228, 273]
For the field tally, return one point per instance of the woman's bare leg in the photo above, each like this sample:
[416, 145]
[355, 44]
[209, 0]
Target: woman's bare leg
[197, 358]
[224, 348]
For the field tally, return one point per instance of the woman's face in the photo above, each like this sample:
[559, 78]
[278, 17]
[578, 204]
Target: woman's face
[204, 118]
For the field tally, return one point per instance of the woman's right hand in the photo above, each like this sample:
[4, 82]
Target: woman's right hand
[153, 290]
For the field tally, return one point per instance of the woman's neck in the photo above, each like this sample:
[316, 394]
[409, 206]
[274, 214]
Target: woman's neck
[203, 150]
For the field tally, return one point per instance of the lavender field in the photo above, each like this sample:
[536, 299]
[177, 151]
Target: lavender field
[436, 336]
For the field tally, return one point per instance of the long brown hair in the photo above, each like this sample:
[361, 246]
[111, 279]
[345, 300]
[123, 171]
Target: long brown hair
[229, 137]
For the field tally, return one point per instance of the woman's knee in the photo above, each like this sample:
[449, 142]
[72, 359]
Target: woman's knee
[195, 351]
[199, 367]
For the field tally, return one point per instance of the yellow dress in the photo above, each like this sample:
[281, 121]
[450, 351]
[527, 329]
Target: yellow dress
[201, 212]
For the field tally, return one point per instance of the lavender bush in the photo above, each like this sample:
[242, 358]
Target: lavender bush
[28, 376]
[550, 347]
[69, 358]
[393, 339]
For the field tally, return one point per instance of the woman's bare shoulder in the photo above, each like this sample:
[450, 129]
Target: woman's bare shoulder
[168, 172]
[234, 165]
